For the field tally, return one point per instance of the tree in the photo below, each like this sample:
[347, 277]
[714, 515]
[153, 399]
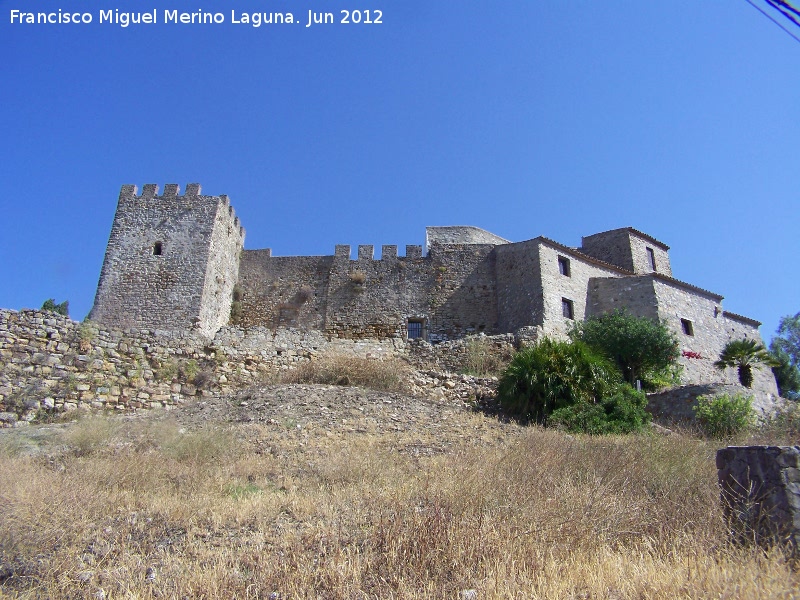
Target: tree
[785, 350]
[553, 375]
[744, 355]
[61, 309]
[639, 346]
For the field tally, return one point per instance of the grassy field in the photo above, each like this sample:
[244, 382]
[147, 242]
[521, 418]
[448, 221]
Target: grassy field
[146, 508]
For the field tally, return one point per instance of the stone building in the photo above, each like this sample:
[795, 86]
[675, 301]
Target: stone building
[176, 262]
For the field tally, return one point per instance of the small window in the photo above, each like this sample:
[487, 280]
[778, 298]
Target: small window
[651, 256]
[414, 329]
[157, 249]
[686, 325]
[563, 266]
[567, 308]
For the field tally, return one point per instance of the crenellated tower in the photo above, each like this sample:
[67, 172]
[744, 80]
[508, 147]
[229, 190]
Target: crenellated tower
[172, 261]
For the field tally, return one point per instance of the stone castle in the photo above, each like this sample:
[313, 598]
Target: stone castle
[176, 262]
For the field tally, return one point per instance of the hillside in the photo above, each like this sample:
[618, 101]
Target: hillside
[314, 491]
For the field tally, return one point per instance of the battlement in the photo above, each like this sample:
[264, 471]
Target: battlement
[128, 193]
[367, 251]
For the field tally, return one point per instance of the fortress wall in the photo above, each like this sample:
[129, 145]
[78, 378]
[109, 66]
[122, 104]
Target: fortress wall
[519, 286]
[370, 298]
[634, 294]
[610, 246]
[288, 291]
[460, 234]
[158, 256]
[711, 331]
[49, 362]
[573, 288]
[222, 271]
[463, 294]
[641, 260]
[451, 291]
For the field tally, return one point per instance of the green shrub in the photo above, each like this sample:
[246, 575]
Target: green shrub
[553, 375]
[61, 309]
[642, 348]
[623, 412]
[724, 415]
[190, 369]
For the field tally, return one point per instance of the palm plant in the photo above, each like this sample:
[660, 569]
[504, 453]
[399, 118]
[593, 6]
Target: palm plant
[744, 355]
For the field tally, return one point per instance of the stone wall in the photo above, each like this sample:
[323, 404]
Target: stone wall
[451, 291]
[760, 494]
[51, 363]
[628, 248]
[520, 302]
[171, 261]
[284, 291]
[460, 234]
[573, 288]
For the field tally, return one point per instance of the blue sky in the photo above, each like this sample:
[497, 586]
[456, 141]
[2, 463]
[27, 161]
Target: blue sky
[529, 118]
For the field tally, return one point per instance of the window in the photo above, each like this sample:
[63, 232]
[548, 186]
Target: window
[567, 308]
[157, 250]
[563, 266]
[651, 256]
[414, 329]
[686, 325]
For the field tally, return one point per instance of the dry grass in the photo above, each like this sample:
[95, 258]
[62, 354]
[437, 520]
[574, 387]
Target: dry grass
[245, 513]
[387, 374]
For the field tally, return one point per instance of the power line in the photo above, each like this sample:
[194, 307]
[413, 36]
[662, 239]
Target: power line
[786, 10]
[766, 14]
[787, 6]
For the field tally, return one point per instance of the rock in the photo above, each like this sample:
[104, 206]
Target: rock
[7, 419]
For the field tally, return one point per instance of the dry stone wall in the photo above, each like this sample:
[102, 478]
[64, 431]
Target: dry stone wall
[51, 363]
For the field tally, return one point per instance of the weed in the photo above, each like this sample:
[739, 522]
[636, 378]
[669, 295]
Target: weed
[341, 369]
[168, 370]
[358, 277]
[483, 359]
[190, 369]
[86, 335]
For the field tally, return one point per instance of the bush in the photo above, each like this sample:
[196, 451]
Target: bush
[724, 415]
[553, 375]
[623, 412]
[61, 309]
[642, 348]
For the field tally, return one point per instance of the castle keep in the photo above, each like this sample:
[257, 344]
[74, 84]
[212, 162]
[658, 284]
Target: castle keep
[176, 262]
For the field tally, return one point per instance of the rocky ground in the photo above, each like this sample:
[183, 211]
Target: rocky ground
[426, 425]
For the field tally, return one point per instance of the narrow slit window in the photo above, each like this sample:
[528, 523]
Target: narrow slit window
[687, 327]
[157, 249]
[567, 308]
[563, 266]
[651, 256]
[414, 329]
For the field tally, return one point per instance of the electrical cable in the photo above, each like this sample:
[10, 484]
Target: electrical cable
[766, 14]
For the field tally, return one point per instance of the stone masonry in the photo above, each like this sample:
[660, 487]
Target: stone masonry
[175, 262]
[760, 493]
